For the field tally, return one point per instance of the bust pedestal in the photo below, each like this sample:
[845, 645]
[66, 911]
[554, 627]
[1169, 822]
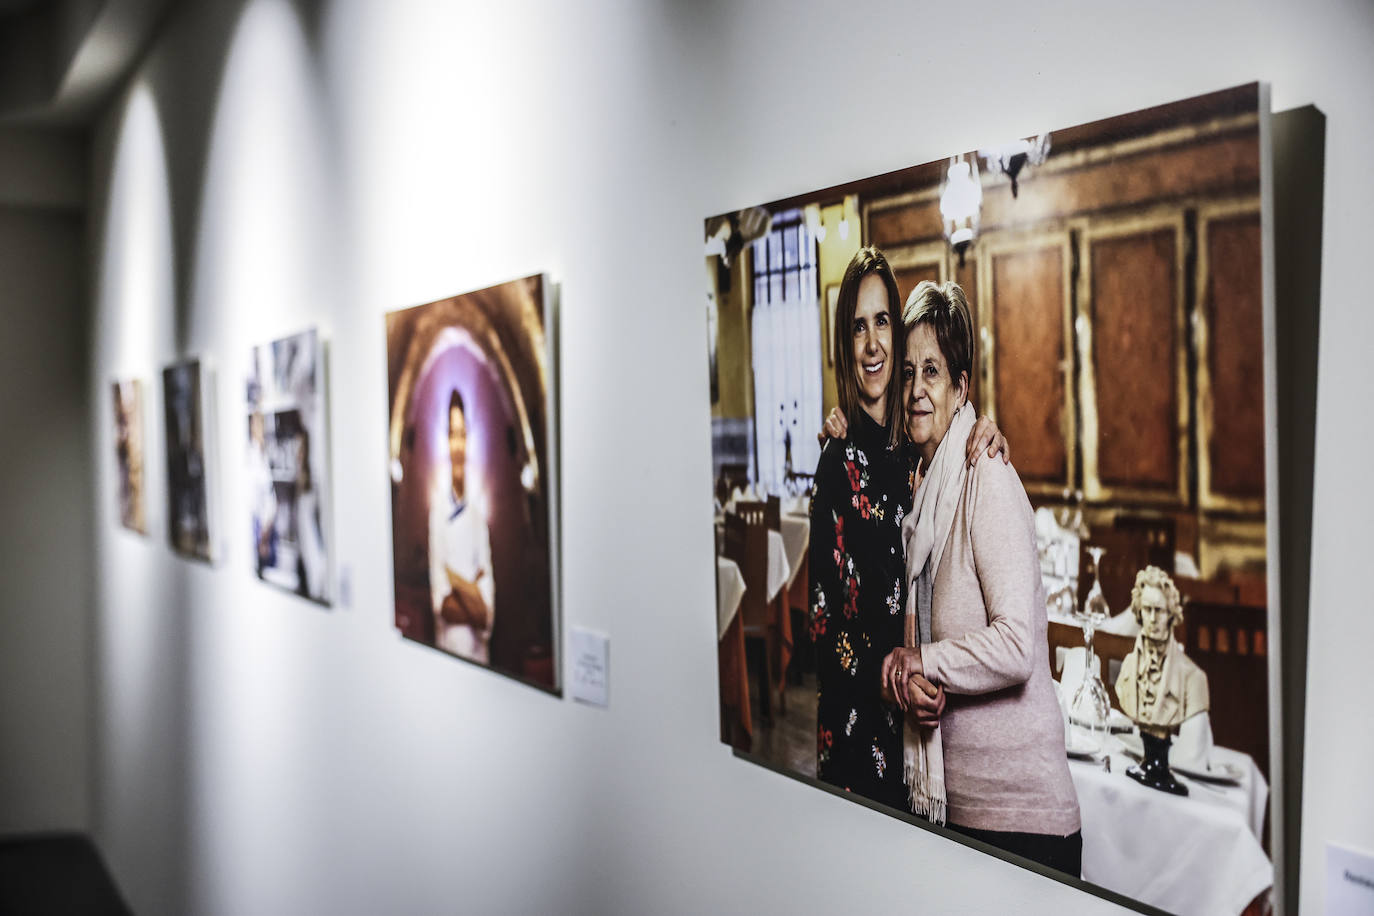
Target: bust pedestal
[1153, 770]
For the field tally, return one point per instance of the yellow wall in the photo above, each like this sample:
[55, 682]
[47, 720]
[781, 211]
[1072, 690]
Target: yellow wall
[835, 255]
[734, 355]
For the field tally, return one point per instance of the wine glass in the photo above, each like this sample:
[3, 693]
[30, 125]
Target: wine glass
[1091, 706]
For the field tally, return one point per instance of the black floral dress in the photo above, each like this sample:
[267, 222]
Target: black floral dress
[858, 601]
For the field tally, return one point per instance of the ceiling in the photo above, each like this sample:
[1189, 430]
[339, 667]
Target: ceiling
[61, 59]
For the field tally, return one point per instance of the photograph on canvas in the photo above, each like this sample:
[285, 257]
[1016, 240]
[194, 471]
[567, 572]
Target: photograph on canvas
[189, 498]
[128, 416]
[472, 491]
[989, 451]
[286, 466]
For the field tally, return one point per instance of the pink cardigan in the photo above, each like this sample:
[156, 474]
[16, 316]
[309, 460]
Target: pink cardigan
[1003, 737]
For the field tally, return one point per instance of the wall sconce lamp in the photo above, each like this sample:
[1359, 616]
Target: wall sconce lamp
[1011, 158]
[961, 200]
[815, 223]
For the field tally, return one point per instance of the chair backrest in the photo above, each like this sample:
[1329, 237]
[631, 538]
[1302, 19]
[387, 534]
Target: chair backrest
[746, 542]
[1158, 532]
[752, 511]
[1110, 648]
[1229, 642]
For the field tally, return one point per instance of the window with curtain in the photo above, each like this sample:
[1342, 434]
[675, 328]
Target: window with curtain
[786, 351]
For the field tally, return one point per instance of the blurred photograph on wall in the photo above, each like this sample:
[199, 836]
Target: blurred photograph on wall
[989, 445]
[190, 500]
[473, 486]
[286, 465]
[128, 416]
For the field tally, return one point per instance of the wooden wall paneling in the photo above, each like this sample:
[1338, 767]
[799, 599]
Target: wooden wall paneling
[913, 263]
[1228, 338]
[1024, 293]
[967, 277]
[903, 218]
[1133, 361]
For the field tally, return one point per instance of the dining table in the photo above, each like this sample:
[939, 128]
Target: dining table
[1199, 853]
[796, 539]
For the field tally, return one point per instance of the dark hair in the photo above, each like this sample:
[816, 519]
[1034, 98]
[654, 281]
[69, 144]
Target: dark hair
[944, 307]
[867, 261]
[456, 400]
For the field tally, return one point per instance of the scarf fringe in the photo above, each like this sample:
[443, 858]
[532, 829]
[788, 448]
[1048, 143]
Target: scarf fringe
[925, 790]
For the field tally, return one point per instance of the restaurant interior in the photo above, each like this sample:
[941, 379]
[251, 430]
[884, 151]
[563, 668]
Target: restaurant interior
[1114, 271]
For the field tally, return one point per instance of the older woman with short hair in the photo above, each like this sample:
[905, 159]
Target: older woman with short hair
[994, 767]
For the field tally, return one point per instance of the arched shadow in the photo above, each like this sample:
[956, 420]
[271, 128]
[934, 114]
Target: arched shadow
[139, 633]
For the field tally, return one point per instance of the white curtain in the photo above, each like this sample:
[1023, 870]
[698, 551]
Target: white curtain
[787, 352]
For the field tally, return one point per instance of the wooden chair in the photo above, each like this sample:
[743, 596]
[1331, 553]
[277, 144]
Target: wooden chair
[1111, 648]
[1159, 534]
[1229, 642]
[768, 513]
[752, 513]
[746, 542]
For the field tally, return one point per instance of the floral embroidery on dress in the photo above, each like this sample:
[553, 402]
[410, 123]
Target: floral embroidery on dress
[855, 614]
[818, 612]
[848, 660]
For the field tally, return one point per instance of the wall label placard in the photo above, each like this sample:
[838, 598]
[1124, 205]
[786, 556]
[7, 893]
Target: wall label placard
[1349, 881]
[590, 680]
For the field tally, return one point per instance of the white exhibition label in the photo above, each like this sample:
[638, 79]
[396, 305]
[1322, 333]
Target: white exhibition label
[590, 666]
[1349, 881]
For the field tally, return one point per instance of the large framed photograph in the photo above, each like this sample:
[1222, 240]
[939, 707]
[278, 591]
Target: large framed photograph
[187, 403]
[287, 465]
[1067, 656]
[129, 443]
[473, 478]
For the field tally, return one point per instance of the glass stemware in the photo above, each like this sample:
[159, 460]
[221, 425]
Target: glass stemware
[1091, 706]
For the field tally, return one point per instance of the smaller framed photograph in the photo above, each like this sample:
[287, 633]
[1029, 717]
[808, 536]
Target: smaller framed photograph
[286, 465]
[190, 504]
[128, 430]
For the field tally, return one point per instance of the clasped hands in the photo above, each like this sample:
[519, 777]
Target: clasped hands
[904, 684]
[463, 605]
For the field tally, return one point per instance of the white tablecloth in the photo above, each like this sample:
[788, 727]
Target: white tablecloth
[1196, 854]
[779, 570]
[729, 591]
[796, 538]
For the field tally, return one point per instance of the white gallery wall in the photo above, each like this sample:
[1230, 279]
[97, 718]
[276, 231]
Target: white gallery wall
[274, 166]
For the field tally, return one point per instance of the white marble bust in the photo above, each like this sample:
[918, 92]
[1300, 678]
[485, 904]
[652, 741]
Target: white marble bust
[1159, 687]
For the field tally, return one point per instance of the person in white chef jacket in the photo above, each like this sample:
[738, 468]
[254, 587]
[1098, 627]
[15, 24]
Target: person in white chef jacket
[461, 584]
